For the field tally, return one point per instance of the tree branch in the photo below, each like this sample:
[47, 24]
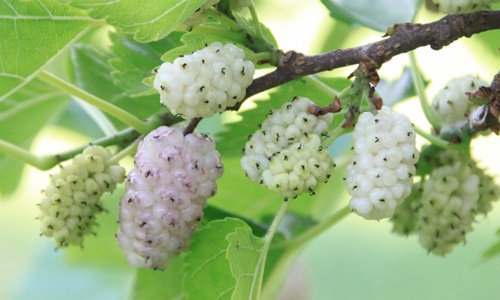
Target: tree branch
[402, 38]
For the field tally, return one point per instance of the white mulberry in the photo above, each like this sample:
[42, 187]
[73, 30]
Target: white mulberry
[451, 104]
[165, 195]
[289, 134]
[205, 82]
[73, 196]
[381, 174]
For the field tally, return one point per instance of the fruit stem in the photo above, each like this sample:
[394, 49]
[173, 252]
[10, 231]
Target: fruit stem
[465, 159]
[435, 140]
[258, 278]
[315, 231]
[123, 153]
[261, 56]
[103, 105]
[337, 132]
[418, 82]
[274, 281]
[191, 126]
[256, 22]
[320, 85]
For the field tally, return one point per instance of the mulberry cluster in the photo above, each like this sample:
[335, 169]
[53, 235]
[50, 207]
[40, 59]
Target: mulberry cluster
[205, 82]
[462, 6]
[381, 174]
[451, 104]
[286, 153]
[444, 204]
[449, 205]
[165, 195]
[73, 196]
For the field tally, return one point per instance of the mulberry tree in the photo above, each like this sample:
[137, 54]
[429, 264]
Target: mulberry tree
[202, 157]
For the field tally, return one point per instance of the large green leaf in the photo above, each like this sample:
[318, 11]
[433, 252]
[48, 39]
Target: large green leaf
[93, 74]
[146, 20]
[22, 116]
[377, 15]
[207, 273]
[243, 254]
[33, 32]
[133, 61]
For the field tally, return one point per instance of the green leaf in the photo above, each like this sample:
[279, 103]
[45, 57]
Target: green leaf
[294, 224]
[134, 61]
[33, 32]
[248, 25]
[250, 199]
[93, 74]
[194, 41]
[21, 120]
[377, 15]
[146, 20]
[209, 32]
[152, 284]
[243, 254]
[76, 119]
[397, 90]
[211, 213]
[207, 272]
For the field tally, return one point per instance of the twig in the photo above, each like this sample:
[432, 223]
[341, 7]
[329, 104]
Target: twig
[402, 38]
[192, 125]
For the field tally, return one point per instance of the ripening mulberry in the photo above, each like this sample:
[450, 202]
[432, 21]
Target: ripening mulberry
[289, 135]
[165, 195]
[449, 206]
[73, 196]
[205, 82]
[489, 191]
[405, 218]
[381, 174]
